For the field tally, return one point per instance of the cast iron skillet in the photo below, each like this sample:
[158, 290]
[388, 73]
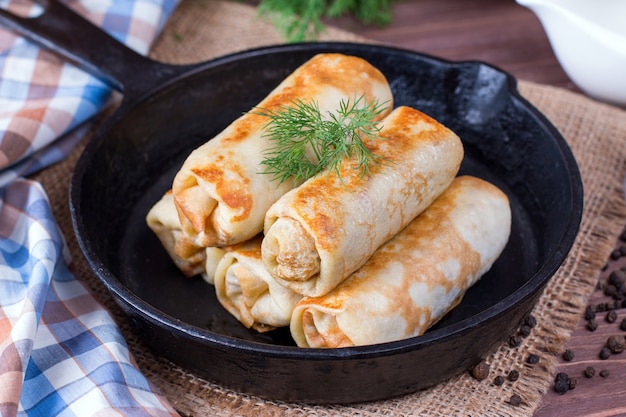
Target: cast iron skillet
[169, 110]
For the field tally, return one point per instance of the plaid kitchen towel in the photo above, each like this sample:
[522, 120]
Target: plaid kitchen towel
[61, 353]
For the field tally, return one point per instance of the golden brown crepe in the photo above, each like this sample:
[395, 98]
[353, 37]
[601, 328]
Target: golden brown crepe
[191, 259]
[220, 191]
[319, 233]
[249, 293]
[162, 219]
[416, 277]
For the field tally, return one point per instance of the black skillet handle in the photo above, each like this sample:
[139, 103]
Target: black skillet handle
[68, 34]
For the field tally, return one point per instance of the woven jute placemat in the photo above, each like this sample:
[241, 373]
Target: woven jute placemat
[203, 29]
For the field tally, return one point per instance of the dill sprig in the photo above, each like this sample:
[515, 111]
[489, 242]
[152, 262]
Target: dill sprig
[301, 20]
[306, 142]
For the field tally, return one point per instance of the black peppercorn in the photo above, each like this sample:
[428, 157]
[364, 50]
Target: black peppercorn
[616, 254]
[590, 372]
[605, 353]
[572, 383]
[604, 373]
[532, 359]
[611, 316]
[617, 278]
[530, 321]
[592, 326]
[498, 381]
[611, 291]
[515, 400]
[513, 375]
[622, 325]
[615, 344]
[480, 371]
[524, 330]
[561, 386]
[590, 312]
[515, 341]
[561, 376]
[568, 355]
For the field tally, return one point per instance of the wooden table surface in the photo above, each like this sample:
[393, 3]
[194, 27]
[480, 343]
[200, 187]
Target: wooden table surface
[509, 36]
[499, 32]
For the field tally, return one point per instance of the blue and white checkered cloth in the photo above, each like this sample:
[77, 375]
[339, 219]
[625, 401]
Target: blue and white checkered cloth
[61, 353]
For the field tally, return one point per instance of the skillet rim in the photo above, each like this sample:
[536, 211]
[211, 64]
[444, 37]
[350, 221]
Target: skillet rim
[531, 288]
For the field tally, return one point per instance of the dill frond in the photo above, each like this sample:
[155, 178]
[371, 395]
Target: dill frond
[305, 142]
[301, 20]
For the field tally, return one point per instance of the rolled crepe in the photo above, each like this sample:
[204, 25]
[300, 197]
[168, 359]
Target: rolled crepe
[415, 278]
[248, 292]
[319, 233]
[191, 259]
[213, 257]
[163, 220]
[220, 191]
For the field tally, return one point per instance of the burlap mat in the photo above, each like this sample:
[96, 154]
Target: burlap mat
[202, 29]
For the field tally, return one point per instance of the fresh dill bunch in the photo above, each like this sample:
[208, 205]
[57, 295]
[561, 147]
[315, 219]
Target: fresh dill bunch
[305, 143]
[301, 20]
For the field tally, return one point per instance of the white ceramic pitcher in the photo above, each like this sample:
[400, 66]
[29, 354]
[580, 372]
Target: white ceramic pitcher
[589, 40]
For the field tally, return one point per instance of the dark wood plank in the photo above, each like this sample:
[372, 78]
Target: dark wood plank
[593, 396]
[499, 32]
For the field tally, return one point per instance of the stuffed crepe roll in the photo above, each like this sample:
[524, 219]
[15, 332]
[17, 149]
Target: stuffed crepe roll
[213, 256]
[191, 259]
[220, 191]
[415, 278]
[248, 292]
[319, 233]
[163, 220]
